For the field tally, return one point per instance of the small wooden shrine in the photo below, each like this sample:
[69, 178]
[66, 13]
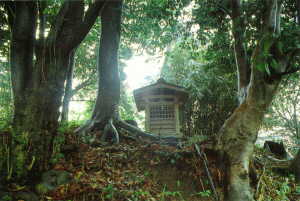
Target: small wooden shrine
[163, 105]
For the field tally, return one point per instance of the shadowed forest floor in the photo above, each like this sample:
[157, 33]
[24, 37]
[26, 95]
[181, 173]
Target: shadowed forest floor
[135, 171]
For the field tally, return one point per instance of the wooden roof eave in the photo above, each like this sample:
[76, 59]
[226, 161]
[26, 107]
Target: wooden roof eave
[141, 93]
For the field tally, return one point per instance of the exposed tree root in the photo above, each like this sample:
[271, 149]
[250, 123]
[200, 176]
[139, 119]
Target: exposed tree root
[111, 131]
[148, 137]
[88, 129]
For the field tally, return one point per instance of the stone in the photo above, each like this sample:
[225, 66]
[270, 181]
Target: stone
[52, 179]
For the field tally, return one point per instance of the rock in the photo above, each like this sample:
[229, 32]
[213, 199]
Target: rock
[52, 179]
[43, 188]
[26, 196]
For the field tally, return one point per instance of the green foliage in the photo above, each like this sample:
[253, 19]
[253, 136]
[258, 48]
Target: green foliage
[16, 159]
[126, 109]
[137, 195]
[110, 190]
[85, 71]
[208, 75]
[196, 139]
[59, 140]
[68, 127]
[64, 129]
[284, 190]
[283, 113]
[6, 198]
[206, 193]
[275, 187]
[298, 190]
[169, 194]
[6, 106]
[146, 19]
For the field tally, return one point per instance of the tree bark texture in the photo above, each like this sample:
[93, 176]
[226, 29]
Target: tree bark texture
[38, 83]
[239, 133]
[22, 51]
[108, 95]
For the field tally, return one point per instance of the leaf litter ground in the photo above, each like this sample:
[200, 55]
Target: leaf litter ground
[133, 171]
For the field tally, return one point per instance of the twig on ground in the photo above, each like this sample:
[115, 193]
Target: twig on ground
[205, 161]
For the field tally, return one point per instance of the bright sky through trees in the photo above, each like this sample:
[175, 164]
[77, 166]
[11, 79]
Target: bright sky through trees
[141, 69]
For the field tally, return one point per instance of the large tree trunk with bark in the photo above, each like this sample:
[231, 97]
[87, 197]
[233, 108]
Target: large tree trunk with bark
[37, 108]
[239, 134]
[22, 51]
[40, 112]
[108, 97]
[38, 82]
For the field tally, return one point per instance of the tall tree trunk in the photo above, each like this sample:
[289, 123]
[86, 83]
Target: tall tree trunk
[36, 122]
[239, 133]
[108, 96]
[68, 89]
[21, 58]
[241, 57]
[237, 136]
[37, 93]
[38, 83]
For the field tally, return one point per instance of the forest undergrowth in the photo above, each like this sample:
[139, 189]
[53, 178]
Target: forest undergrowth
[135, 171]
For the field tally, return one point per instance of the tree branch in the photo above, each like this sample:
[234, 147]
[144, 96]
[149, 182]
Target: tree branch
[10, 8]
[272, 18]
[54, 31]
[73, 24]
[90, 17]
[242, 62]
[81, 86]
[289, 69]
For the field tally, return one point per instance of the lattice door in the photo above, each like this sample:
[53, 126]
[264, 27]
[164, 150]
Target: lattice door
[162, 119]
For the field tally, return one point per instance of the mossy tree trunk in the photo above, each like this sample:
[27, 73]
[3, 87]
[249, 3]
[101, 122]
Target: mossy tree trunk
[38, 71]
[259, 78]
[239, 133]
